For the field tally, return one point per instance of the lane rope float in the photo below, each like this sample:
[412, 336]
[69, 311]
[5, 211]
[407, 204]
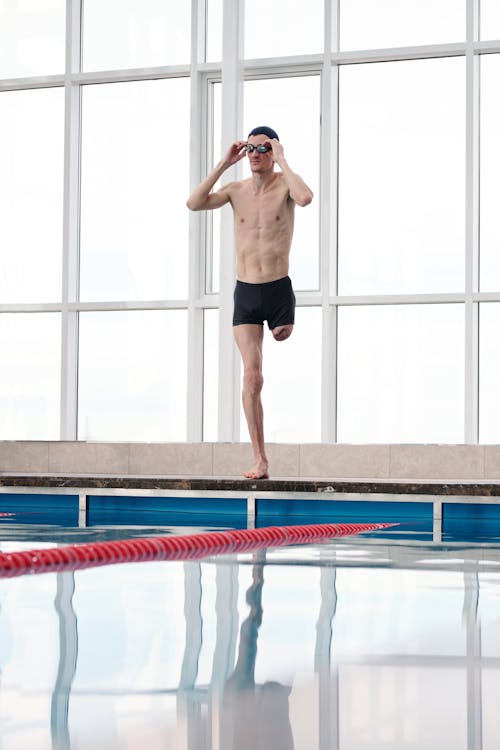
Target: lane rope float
[186, 547]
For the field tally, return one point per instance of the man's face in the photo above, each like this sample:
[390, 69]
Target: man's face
[260, 162]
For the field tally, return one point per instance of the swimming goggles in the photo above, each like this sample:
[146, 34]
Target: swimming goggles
[261, 149]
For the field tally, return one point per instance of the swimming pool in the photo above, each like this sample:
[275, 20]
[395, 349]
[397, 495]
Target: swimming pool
[361, 642]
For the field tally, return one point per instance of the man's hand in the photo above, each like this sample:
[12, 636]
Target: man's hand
[202, 198]
[236, 151]
[278, 152]
[299, 191]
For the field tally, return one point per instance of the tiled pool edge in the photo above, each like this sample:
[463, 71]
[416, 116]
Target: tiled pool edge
[214, 460]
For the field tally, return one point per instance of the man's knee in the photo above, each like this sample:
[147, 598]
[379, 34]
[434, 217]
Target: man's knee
[253, 381]
[281, 333]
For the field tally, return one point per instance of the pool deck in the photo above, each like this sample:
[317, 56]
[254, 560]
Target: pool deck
[325, 488]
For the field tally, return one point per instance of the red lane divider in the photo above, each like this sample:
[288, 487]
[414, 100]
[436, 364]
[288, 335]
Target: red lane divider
[193, 546]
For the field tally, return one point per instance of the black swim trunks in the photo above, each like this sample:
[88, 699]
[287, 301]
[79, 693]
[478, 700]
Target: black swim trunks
[273, 301]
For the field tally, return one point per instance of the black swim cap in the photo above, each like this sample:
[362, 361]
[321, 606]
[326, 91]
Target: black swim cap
[264, 130]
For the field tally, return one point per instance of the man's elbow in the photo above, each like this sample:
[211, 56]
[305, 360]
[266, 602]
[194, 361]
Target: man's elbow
[195, 205]
[304, 200]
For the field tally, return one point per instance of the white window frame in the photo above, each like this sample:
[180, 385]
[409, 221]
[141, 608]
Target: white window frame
[232, 71]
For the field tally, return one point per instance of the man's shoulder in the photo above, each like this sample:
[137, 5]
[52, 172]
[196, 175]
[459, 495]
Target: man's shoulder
[236, 188]
[282, 186]
[281, 182]
[237, 184]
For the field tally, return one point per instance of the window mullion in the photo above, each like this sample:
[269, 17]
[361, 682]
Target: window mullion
[71, 223]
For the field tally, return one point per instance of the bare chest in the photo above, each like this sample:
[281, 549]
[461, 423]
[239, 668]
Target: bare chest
[267, 212]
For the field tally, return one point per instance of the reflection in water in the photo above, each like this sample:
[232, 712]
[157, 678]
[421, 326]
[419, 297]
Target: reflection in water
[255, 717]
[67, 661]
[345, 646]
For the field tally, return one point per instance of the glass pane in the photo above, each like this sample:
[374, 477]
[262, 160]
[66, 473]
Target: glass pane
[408, 635]
[490, 165]
[426, 623]
[292, 107]
[400, 374]
[487, 615]
[146, 644]
[490, 19]
[214, 217]
[135, 34]
[292, 375]
[402, 177]
[489, 373]
[30, 627]
[132, 376]
[31, 194]
[30, 376]
[283, 27]
[400, 23]
[214, 30]
[120, 636]
[297, 627]
[490, 724]
[210, 374]
[134, 225]
[410, 690]
[32, 37]
[207, 608]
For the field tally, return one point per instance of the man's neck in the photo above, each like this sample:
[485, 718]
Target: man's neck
[262, 180]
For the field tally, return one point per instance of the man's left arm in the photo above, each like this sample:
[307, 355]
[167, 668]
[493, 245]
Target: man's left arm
[299, 191]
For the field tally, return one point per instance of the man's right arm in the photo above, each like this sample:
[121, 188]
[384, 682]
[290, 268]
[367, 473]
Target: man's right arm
[202, 199]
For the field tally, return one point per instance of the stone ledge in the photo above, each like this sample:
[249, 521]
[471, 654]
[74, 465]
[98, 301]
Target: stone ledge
[245, 486]
[329, 462]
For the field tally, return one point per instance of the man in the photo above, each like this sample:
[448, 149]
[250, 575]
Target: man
[263, 208]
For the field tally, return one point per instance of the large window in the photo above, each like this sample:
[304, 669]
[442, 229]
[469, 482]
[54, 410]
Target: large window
[30, 376]
[116, 301]
[210, 366]
[490, 165]
[132, 376]
[489, 374]
[490, 19]
[135, 138]
[31, 195]
[400, 23]
[213, 46]
[284, 27]
[213, 219]
[136, 34]
[31, 38]
[400, 374]
[402, 177]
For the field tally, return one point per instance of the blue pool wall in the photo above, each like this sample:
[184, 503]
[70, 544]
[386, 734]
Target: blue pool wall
[415, 519]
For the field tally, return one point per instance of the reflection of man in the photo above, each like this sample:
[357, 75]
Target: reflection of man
[263, 208]
[254, 717]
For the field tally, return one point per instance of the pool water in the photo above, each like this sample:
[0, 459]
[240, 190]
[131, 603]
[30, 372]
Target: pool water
[361, 642]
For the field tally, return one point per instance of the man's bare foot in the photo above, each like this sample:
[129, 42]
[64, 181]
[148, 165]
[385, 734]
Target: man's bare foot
[258, 471]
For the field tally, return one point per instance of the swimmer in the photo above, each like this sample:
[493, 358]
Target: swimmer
[263, 209]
